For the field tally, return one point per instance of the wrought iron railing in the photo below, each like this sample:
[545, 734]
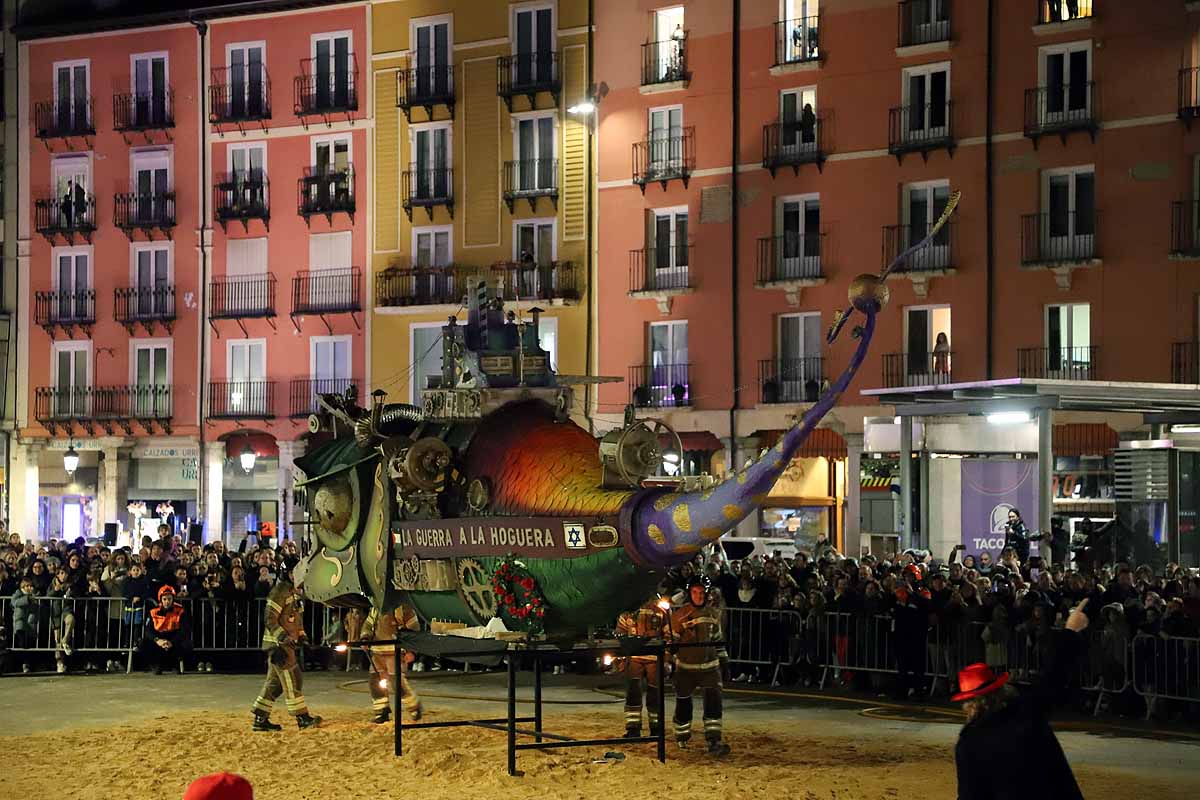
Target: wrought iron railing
[940, 254]
[327, 291]
[525, 73]
[660, 269]
[1189, 93]
[1052, 11]
[419, 286]
[427, 187]
[137, 210]
[243, 195]
[144, 304]
[1060, 108]
[923, 22]
[1185, 229]
[1058, 238]
[239, 94]
[241, 399]
[101, 403]
[331, 92]
[303, 393]
[530, 177]
[795, 142]
[57, 119]
[326, 191]
[144, 111]
[239, 297]
[425, 86]
[798, 40]
[665, 156]
[920, 126]
[65, 307]
[554, 281]
[790, 257]
[660, 385]
[1185, 362]
[664, 62]
[929, 368]
[1062, 363]
[791, 380]
[65, 215]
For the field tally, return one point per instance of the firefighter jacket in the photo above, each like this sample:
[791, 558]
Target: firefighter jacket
[697, 625]
[285, 625]
[170, 624]
[648, 622]
[385, 625]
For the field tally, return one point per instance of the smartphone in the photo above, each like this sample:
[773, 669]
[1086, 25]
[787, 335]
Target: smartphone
[1034, 573]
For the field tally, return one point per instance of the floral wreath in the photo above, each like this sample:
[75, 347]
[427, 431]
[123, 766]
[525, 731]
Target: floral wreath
[520, 602]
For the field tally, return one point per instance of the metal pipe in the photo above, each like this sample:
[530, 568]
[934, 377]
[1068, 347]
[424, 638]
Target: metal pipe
[906, 483]
[202, 509]
[734, 218]
[591, 238]
[990, 194]
[1045, 467]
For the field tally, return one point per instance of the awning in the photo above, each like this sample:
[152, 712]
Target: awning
[824, 442]
[693, 440]
[1084, 439]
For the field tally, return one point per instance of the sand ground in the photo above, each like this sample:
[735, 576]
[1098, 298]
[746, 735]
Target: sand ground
[101, 738]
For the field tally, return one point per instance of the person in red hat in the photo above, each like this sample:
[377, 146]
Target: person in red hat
[168, 639]
[220, 786]
[1012, 729]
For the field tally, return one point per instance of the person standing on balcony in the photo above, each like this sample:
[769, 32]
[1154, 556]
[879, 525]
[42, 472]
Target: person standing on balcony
[808, 125]
[675, 64]
[67, 205]
[941, 355]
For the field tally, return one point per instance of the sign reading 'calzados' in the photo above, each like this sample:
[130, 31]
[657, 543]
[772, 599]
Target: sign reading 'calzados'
[535, 537]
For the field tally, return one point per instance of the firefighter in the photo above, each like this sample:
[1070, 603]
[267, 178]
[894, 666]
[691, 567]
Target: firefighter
[651, 621]
[697, 622]
[383, 659]
[283, 633]
[168, 641]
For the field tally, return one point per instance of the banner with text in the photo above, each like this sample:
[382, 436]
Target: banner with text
[990, 488]
[533, 537]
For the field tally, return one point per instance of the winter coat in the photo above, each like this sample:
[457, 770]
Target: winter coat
[1021, 734]
[114, 586]
[24, 612]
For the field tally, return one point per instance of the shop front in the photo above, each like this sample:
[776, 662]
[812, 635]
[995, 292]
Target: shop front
[807, 501]
[251, 490]
[67, 501]
[163, 478]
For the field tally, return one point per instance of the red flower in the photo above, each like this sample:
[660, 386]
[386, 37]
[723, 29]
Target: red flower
[541, 612]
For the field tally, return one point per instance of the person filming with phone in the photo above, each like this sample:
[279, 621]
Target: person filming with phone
[1006, 726]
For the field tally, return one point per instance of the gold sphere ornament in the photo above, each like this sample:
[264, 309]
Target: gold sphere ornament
[869, 293]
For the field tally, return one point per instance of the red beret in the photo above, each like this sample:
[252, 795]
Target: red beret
[220, 786]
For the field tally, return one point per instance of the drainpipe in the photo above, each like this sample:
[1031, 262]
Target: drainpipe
[990, 192]
[202, 471]
[591, 238]
[734, 216]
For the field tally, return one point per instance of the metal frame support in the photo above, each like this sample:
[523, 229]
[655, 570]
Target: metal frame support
[1045, 419]
[906, 482]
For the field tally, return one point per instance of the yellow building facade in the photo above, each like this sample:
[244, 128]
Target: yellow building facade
[478, 171]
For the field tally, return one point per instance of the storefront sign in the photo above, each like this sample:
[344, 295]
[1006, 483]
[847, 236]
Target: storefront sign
[167, 451]
[990, 489]
[533, 537]
[163, 473]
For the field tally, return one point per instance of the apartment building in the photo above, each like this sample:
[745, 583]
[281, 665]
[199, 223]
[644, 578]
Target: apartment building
[757, 156]
[192, 248]
[480, 174]
[8, 243]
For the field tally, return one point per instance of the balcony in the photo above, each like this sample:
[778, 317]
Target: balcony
[322, 92]
[109, 407]
[325, 192]
[665, 157]
[660, 274]
[427, 189]
[303, 393]
[64, 119]
[423, 286]
[321, 292]
[241, 197]
[66, 217]
[1060, 242]
[530, 179]
[791, 380]
[1185, 231]
[1058, 363]
[1185, 362]
[147, 306]
[794, 143]
[241, 399]
[1059, 16]
[528, 74]
[791, 262]
[65, 309]
[937, 259]
[555, 281]
[1062, 110]
[1189, 95]
[133, 212]
[797, 45]
[664, 66]
[923, 26]
[238, 96]
[242, 297]
[660, 386]
[931, 368]
[921, 128]
[144, 112]
[425, 87]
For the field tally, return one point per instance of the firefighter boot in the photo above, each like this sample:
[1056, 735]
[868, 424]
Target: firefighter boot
[262, 722]
[307, 721]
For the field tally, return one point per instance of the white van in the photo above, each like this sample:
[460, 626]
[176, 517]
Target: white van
[739, 548]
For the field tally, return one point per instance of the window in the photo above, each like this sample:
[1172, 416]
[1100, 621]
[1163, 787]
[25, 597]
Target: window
[72, 378]
[72, 186]
[334, 81]
[926, 112]
[668, 363]
[1068, 340]
[432, 39]
[927, 343]
[533, 27]
[1063, 10]
[798, 115]
[329, 366]
[150, 89]
[432, 246]
[72, 96]
[247, 172]
[151, 178]
[922, 207]
[930, 21]
[247, 80]
[798, 220]
[798, 344]
[534, 143]
[667, 243]
[328, 185]
[151, 379]
[666, 139]
[800, 40]
[331, 154]
[534, 242]
[330, 258]
[246, 269]
[1069, 209]
[667, 42]
[73, 282]
[1064, 74]
[431, 156]
[425, 355]
[152, 280]
[247, 387]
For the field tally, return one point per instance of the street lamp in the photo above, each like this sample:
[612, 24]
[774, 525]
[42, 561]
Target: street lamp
[247, 458]
[71, 460]
[582, 107]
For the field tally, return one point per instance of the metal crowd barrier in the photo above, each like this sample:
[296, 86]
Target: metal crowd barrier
[1165, 668]
[761, 637]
